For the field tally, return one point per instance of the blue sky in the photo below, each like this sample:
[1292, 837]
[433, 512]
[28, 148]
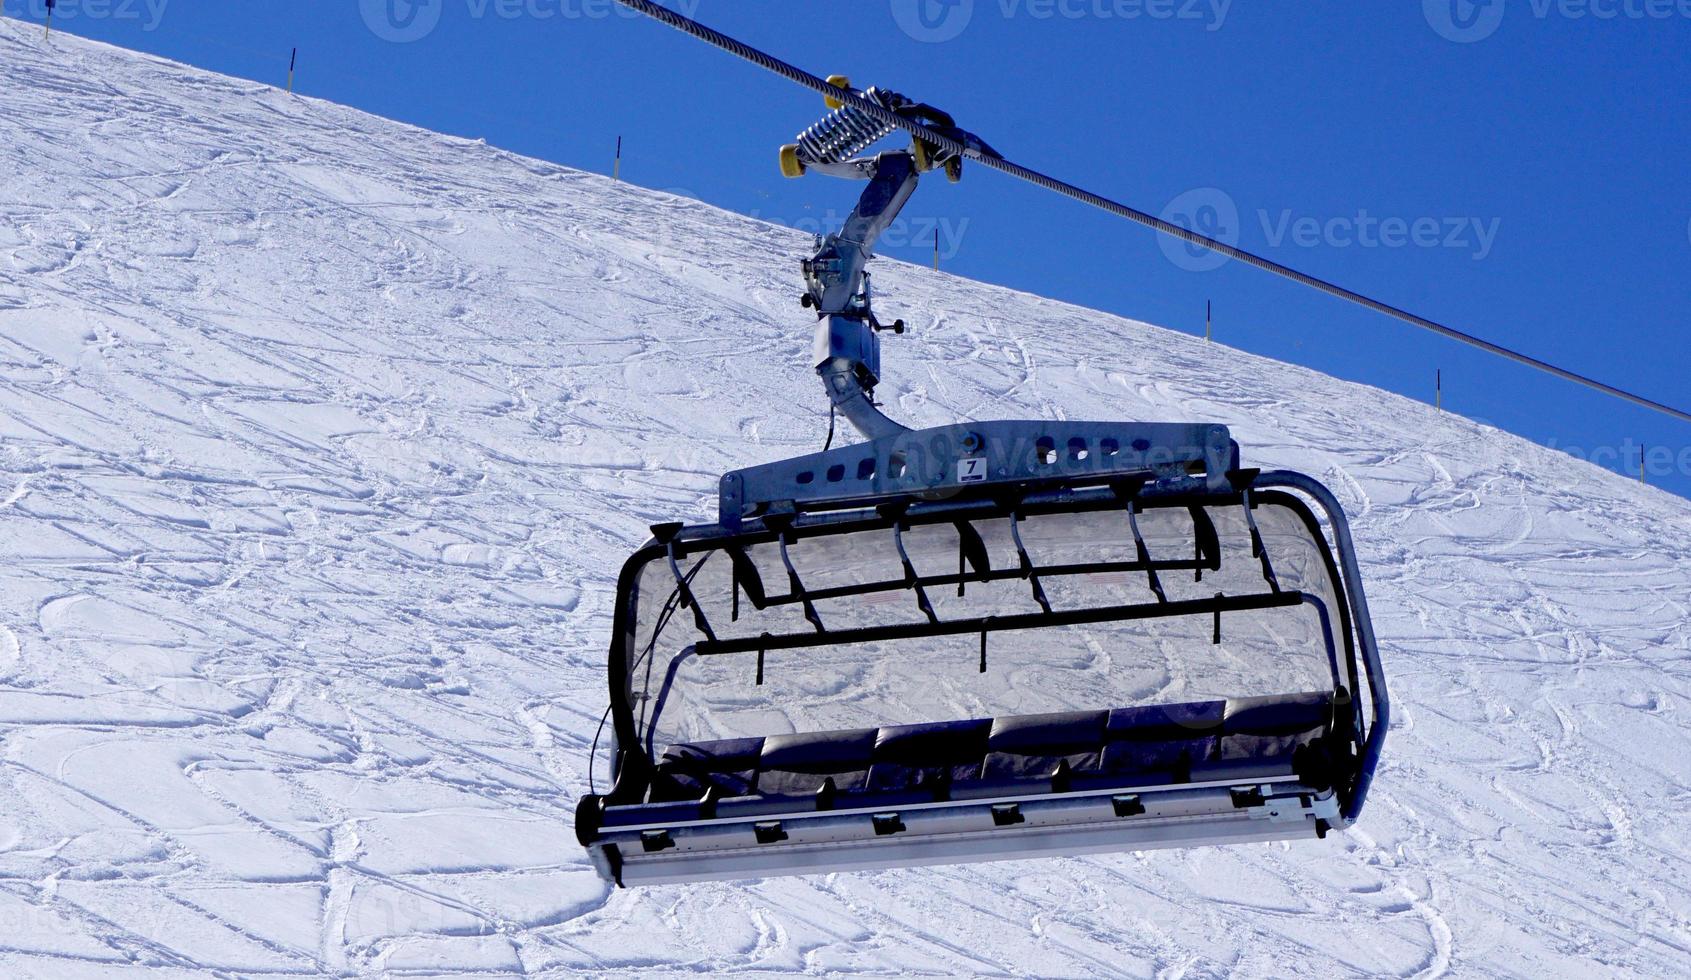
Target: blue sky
[1516, 168]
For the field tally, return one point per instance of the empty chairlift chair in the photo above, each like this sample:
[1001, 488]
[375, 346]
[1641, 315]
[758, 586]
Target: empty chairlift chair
[1126, 663]
[976, 642]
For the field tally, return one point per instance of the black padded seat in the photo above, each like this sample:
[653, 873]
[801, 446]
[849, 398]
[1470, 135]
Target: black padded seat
[1273, 727]
[1167, 742]
[1283, 714]
[1031, 746]
[801, 764]
[688, 770]
[1164, 738]
[928, 756]
[1167, 722]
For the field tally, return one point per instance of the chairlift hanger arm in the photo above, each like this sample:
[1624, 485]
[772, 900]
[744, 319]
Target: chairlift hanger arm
[847, 350]
[969, 147]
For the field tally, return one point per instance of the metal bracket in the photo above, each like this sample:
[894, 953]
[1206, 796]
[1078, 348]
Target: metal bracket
[985, 458]
[1259, 804]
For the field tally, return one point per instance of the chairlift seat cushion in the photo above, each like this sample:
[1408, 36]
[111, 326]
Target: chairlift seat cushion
[1069, 731]
[1167, 741]
[926, 756]
[1036, 745]
[1286, 714]
[818, 751]
[687, 770]
[1273, 727]
[797, 764]
[948, 741]
[1173, 757]
[1166, 722]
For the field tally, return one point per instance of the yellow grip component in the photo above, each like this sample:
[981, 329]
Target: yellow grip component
[791, 165]
[838, 81]
[923, 154]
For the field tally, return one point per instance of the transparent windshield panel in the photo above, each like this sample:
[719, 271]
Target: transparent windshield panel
[847, 643]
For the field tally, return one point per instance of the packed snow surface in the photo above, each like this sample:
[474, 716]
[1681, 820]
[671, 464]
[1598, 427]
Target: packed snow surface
[322, 439]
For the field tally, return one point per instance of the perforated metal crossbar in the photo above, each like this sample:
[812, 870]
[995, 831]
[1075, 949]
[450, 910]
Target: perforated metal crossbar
[993, 160]
[985, 457]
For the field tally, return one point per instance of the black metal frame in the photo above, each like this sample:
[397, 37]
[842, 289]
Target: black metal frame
[674, 543]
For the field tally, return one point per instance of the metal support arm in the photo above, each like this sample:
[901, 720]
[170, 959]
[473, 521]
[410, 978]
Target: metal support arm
[847, 349]
[835, 276]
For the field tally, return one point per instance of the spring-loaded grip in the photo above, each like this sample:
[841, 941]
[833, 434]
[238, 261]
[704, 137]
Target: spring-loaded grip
[840, 135]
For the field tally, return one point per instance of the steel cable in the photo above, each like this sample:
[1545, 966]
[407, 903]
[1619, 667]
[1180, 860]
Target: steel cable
[820, 85]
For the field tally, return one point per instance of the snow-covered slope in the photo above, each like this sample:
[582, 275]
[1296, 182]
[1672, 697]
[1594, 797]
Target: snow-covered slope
[322, 438]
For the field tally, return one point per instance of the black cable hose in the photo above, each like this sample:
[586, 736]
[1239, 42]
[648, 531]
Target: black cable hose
[806, 79]
[668, 610]
[593, 753]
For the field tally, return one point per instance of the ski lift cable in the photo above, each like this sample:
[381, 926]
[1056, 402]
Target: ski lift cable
[987, 158]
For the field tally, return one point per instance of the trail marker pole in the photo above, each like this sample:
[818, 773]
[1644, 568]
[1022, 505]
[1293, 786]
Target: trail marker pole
[936, 249]
[1438, 389]
[1643, 461]
[48, 35]
[293, 59]
[1209, 321]
[616, 167]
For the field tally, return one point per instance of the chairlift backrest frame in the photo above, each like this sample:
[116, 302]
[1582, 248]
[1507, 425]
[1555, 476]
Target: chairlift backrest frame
[700, 854]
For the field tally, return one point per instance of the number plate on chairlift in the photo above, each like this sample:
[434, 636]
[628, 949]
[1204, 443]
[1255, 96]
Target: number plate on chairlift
[971, 469]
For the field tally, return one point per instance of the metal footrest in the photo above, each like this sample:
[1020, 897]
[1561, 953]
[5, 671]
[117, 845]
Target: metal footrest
[963, 831]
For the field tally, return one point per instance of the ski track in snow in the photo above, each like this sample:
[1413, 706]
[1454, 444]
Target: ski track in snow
[322, 439]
